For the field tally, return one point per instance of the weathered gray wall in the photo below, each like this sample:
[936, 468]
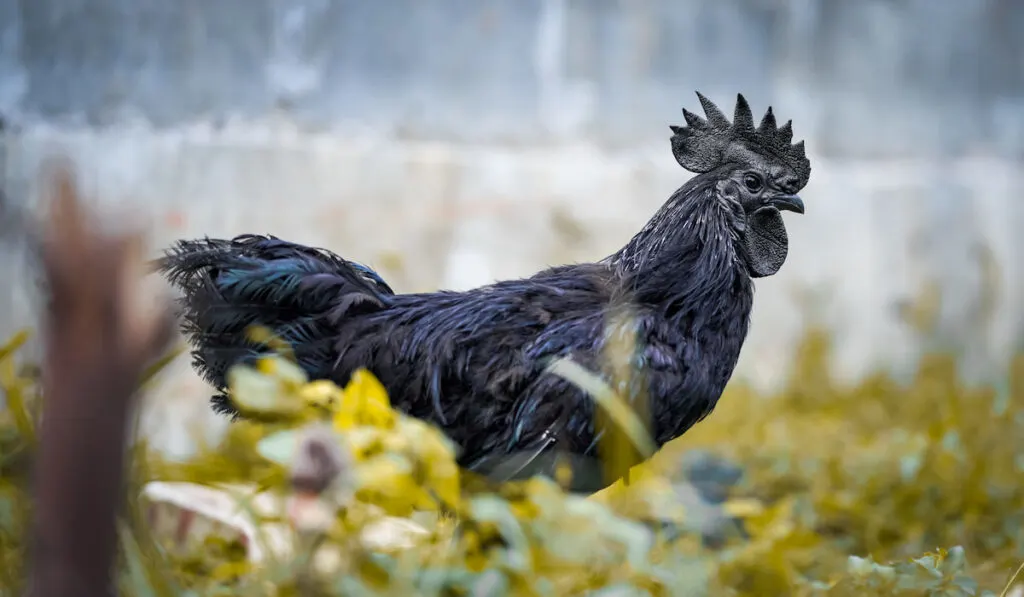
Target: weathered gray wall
[872, 78]
[451, 142]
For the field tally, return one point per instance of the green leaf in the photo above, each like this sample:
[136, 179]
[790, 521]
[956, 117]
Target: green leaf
[620, 590]
[490, 583]
[280, 447]
[258, 395]
[497, 511]
[954, 563]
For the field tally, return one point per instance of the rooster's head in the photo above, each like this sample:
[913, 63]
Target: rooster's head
[757, 170]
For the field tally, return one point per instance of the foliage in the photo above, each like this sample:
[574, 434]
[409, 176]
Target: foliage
[877, 469]
[874, 489]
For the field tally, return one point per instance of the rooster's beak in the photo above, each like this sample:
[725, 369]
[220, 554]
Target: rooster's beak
[787, 203]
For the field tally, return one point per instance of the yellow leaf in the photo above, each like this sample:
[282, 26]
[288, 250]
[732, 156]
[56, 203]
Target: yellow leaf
[344, 418]
[229, 570]
[743, 508]
[612, 403]
[14, 387]
[364, 442]
[444, 481]
[367, 401]
[397, 441]
[475, 557]
[14, 344]
[257, 395]
[563, 473]
[282, 369]
[386, 481]
[321, 394]
[429, 443]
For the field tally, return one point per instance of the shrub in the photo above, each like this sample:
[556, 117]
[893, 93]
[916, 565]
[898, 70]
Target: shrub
[876, 489]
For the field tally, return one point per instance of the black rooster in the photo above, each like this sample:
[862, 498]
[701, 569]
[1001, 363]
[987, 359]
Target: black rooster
[474, 362]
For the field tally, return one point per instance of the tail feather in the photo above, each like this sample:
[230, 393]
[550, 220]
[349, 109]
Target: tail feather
[302, 294]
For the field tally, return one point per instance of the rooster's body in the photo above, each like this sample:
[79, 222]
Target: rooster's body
[475, 362]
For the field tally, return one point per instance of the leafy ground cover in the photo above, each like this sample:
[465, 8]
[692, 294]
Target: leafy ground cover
[879, 488]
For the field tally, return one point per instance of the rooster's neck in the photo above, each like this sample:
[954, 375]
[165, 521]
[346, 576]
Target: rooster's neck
[688, 252]
[686, 265]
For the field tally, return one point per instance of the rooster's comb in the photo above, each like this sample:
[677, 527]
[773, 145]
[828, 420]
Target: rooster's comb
[704, 145]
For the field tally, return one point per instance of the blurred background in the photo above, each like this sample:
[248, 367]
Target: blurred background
[449, 143]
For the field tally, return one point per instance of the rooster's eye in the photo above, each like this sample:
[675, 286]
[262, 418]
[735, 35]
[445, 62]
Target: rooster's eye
[752, 182]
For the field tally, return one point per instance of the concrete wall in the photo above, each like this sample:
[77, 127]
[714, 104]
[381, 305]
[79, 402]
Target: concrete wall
[453, 142]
